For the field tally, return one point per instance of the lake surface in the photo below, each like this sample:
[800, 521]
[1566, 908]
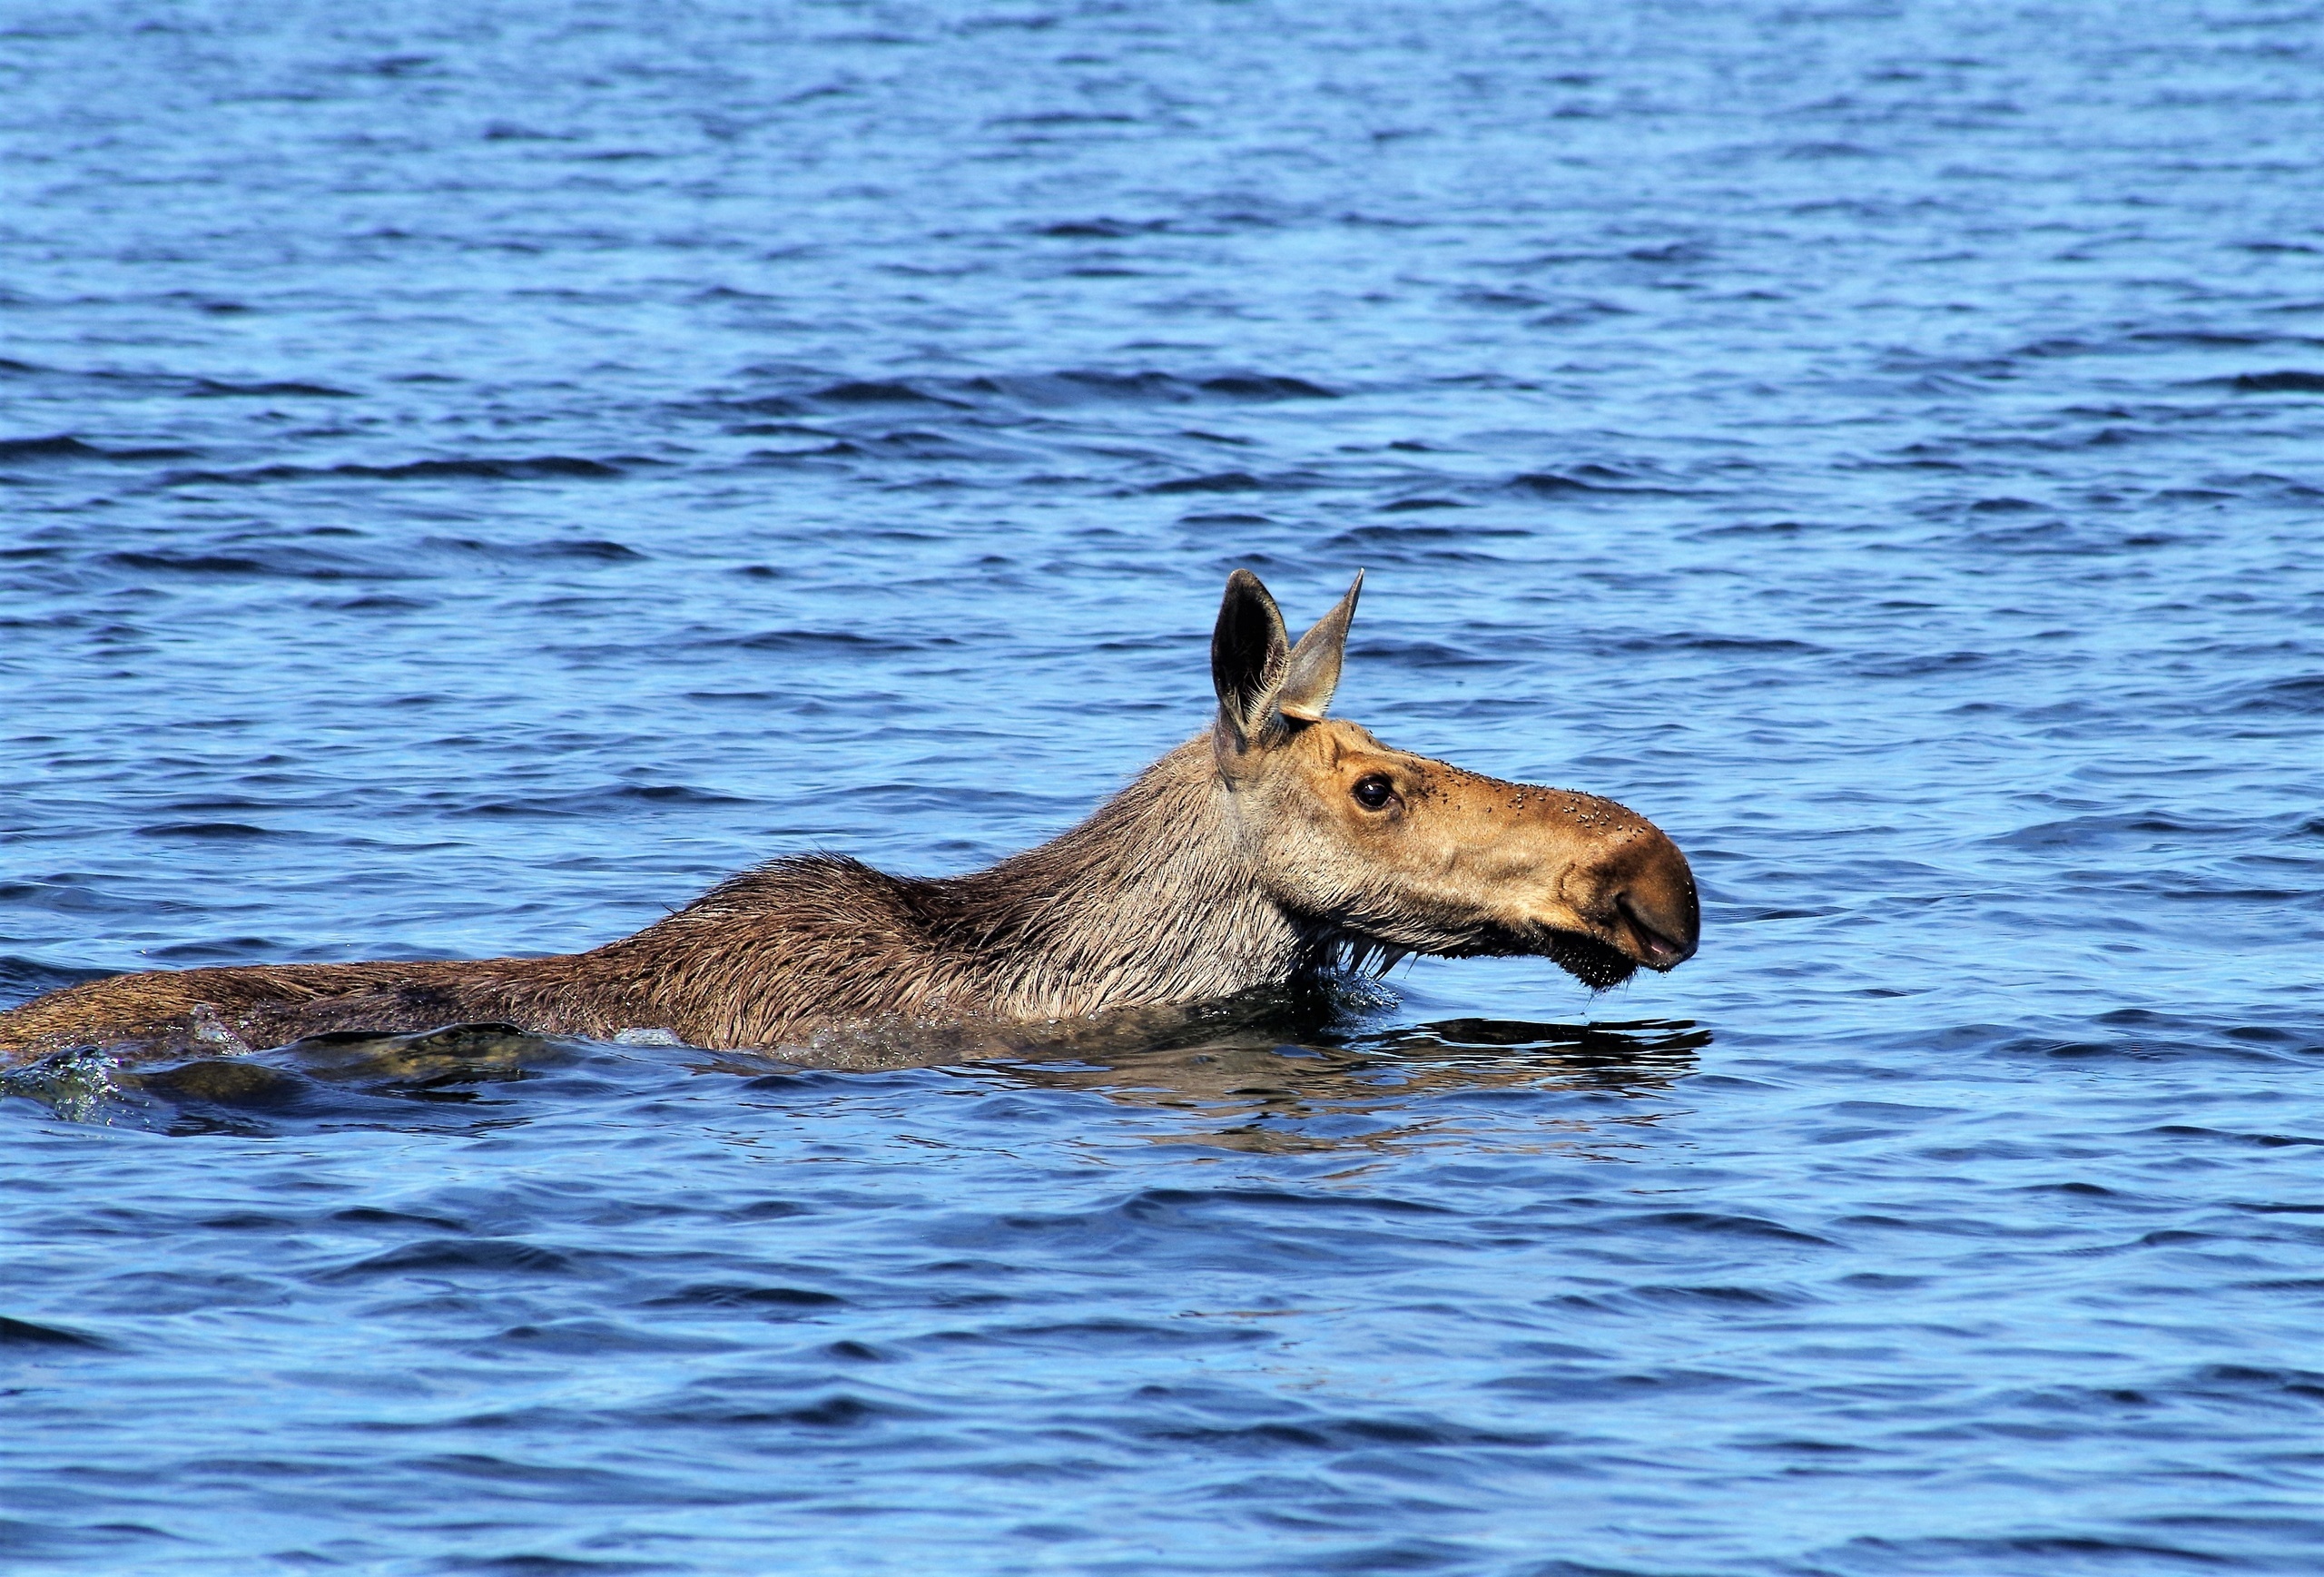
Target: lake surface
[468, 482]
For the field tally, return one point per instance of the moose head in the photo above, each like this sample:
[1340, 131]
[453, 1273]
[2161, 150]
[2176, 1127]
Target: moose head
[1400, 853]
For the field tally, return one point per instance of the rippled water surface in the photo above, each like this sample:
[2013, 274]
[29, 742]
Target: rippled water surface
[471, 476]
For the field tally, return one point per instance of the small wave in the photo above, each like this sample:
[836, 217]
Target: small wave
[23, 979]
[66, 447]
[2199, 338]
[839, 449]
[1063, 118]
[525, 468]
[1746, 644]
[2061, 1552]
[1749, 1297]
[215, 388]
[841, 1409]
[1065, 389]
[599, 549]
[1149, 1203]
[1321, 1431]
[374, 603]
[277, 562]
[487, 469]
[203, 829]
[1677, 252]
[2272, 1141]
[376, 1216]
[1554, 483]
[2302, 694]
[1216, 482]
[190, 563]
[1424, 654]
[450, 1255]
[593, 802]
[63, 446]
[1264, 385]
[219, 949]
[16, 1333]
[1103, 229]
[1388, 538]
[2245, 1379]
[2290, 380]
[1755, 528]
[877, 392]
[2143, 830]
[1728, 1224]
[1507, 300]
[853, 641]
[1813, 152]
[1909, 667]
[742, 1295]
[1076, 385]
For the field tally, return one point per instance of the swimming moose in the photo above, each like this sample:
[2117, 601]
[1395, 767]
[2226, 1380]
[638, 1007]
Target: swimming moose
[1275, 845]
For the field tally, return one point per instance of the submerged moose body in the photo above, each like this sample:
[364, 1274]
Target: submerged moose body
[1277, 845]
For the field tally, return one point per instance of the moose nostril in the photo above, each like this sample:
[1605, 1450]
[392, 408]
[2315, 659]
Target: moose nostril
[1666, 944]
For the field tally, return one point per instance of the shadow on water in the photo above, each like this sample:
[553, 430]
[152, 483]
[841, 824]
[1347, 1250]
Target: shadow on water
[1269, 1072]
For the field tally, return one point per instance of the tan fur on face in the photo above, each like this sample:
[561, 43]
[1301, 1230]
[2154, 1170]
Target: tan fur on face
[1456, 863]
[1246, 857]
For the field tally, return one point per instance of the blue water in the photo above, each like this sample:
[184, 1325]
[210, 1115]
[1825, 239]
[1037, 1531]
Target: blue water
[471, 476]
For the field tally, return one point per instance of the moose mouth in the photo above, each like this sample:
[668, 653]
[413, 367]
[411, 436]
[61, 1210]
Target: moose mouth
[1594, 963]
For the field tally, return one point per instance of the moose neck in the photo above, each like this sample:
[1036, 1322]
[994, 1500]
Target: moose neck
[1151, 900]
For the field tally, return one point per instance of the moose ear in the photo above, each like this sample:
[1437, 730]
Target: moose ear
[1247, 652]
[1314, 672]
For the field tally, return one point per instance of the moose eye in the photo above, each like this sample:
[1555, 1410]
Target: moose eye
[1373, 790]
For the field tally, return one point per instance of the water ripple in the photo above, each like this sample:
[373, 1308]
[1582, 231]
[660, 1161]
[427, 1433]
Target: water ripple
[474, 481]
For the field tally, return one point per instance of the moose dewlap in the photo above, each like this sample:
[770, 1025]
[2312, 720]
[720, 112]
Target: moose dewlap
[1279, 843]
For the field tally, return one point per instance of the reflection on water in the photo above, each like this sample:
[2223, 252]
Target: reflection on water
[1272, 1072]
[1276, 1093]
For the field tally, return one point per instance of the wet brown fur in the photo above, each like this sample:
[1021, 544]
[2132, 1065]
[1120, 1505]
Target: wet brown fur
[1241, 859]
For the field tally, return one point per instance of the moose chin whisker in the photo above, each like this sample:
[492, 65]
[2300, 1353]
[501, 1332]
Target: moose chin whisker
[1360, 955]
[1586, 959]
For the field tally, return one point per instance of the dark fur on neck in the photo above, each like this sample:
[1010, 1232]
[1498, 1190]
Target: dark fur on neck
[1146, 902]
